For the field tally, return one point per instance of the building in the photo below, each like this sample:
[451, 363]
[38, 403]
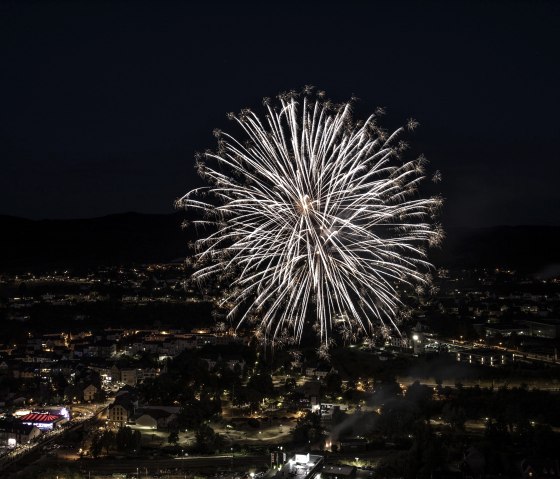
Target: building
[90, 393]
[319, 371]
[115, 373]
[233, 363]
[14, 432]
[353, 444]
[338, 472]
[301, 466]
[544, 328]
[129, 377]
[506, 330]
[146, 373]
[154, 418]
[120, 412]
[43, 420]
[132, 377]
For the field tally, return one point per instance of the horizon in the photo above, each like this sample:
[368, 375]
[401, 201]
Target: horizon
[177, 212]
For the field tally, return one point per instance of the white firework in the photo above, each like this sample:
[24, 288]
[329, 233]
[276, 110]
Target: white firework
[312, 217]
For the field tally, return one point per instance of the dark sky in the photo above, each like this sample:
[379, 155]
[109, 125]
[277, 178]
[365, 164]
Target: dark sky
[104, 103]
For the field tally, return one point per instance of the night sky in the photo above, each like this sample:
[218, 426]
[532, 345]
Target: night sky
[104, 103]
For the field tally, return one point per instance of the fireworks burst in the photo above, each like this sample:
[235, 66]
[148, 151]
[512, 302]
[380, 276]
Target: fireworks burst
[313, 219]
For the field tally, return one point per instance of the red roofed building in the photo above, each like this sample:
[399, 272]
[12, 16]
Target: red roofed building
[43, 420]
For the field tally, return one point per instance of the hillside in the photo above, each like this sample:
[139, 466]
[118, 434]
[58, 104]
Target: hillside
[137, 238]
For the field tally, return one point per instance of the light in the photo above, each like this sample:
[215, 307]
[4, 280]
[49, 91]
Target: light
[364, 192]
[415, 337]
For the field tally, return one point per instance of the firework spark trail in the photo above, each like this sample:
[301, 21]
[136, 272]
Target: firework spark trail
[314, 215]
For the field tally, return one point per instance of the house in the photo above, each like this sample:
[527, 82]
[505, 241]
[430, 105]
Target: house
[319, 371]
[25, 372]
[115, 373]
[233, 363]
[14, 432]
[146, 373]
[120, 412]
[128, 393]
[129, 377]
[236, 363]
[132, 377]
[90, 392]
[153, 418]
[4, 368]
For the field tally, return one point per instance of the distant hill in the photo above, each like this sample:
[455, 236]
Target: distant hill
[137, 238]
[114, 239]
[525, 248]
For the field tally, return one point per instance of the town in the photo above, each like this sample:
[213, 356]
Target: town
[134, 370]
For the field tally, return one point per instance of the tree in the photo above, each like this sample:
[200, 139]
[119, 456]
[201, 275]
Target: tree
[513, 340]
[419, 393]
[388, 389]
[108, 440]
[338, 417]
[398, 418]
[207, 440]
[124, 439]
[333, 383]
[262, 383]
[137, 440]
[308, 428]
[173, 437]
[247, 395]
[96, 445]
[455, 416]
[430, 451]
[290, 384]
[190, 415]
[439, 385]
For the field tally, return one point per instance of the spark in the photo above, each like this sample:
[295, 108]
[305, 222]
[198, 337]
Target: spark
[313, 217]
